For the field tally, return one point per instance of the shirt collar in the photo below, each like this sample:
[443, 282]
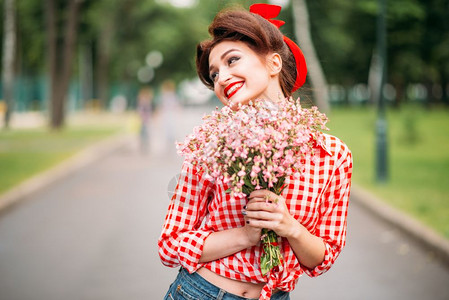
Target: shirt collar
[321, 142]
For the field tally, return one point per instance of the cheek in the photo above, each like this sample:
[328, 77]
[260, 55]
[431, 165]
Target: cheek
[258, 81]
[219, 93]
[259, 74]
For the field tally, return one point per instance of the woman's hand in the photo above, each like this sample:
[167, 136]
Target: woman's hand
[253, 234]
[268, 210]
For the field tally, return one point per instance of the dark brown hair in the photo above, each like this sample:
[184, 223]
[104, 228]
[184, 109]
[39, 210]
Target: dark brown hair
[259, 34]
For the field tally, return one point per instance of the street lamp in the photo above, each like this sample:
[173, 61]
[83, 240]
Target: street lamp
[381, 124]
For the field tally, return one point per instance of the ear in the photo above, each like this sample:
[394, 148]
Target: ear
[274, 62]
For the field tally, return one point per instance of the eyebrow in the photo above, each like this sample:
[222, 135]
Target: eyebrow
[222, 56]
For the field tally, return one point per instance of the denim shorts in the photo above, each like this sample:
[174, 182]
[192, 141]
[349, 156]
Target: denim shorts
[194, 287]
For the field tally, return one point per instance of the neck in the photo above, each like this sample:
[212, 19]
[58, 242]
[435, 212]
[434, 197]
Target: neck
[273, 92]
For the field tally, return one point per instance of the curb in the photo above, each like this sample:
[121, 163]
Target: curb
[424, 235]
[46, 178]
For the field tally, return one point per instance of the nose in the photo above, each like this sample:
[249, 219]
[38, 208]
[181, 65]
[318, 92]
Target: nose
[223, 77]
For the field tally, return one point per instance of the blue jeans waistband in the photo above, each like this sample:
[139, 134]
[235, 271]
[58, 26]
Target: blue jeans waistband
[192, 286]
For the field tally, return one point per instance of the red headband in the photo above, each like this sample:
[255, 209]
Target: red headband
[269, 12]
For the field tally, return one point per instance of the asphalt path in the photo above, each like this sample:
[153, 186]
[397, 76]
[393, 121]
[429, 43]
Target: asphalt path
[93, 235]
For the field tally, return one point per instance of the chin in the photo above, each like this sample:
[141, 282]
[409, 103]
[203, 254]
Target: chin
[237, 101]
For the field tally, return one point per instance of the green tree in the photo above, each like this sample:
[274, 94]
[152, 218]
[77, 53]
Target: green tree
[61, 39]
[114, 37]
[8, 58]
[134, 28]
[435, 47]
[344, 33]
[315, 71]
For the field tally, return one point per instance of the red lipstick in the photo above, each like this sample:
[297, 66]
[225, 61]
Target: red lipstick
[231, 89]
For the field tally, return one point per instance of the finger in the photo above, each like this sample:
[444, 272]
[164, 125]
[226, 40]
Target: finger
[259, 193]
[266, 203]
[261, 223]
[264, 195]
[260, 206]
[260, 215]
[256, 198]
[252, 215]
[266, 198]
[257, 201]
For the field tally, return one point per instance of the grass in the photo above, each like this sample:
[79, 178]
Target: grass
[26, 152]
[418, 155]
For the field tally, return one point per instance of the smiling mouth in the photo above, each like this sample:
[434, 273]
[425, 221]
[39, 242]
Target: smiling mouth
[231, 89]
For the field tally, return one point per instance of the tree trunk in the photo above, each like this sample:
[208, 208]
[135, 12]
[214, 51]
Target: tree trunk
[9, 45]
[104, 54]
[303, 36]
[86, 73]
[374, 77]
[445, 87]
[52, 57]
[114, 10]
[60, 57]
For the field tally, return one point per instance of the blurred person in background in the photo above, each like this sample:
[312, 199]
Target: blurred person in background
[169, 107]
[216, 239]
[144, 110]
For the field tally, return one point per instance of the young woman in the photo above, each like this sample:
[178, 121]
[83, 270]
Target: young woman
[216, 241]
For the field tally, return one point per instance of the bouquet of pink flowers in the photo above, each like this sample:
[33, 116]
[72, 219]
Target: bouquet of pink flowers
[256, 147]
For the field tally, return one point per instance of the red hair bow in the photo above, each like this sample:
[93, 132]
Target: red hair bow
[268, 12]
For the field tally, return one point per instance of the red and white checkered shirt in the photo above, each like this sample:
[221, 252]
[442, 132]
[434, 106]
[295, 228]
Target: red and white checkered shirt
[318, 200]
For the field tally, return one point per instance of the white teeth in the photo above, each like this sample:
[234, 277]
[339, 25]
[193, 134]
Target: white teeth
[233, 88]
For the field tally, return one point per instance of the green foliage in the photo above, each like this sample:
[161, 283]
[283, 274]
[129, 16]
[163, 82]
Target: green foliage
[344, 33]
[344, 36]
[418, 159]
[30, 35]
[271, 256]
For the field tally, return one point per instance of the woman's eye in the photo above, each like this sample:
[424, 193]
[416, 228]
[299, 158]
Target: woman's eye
[213, 76]
[233, 59]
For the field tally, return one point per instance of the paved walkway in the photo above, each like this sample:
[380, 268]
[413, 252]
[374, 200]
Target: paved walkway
[93, 236]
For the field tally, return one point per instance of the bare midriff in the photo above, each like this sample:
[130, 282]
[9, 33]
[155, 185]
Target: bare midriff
[239, 288]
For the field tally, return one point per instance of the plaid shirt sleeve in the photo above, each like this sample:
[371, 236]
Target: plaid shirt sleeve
[331, 226]
[181, 241]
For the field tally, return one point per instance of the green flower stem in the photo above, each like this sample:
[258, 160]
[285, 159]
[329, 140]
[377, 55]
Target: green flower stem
[271, 254]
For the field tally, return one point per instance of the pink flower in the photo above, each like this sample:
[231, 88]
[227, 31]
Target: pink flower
[255, 171]
[241, 173]
[270, 140]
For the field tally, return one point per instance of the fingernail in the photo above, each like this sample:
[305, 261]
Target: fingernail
[244, 212]
[244, 207]
[247, 222]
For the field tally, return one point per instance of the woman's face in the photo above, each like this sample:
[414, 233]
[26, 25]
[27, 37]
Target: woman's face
[240, 74]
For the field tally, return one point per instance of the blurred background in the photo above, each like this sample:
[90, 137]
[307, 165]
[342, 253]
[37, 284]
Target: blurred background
[75, 72]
